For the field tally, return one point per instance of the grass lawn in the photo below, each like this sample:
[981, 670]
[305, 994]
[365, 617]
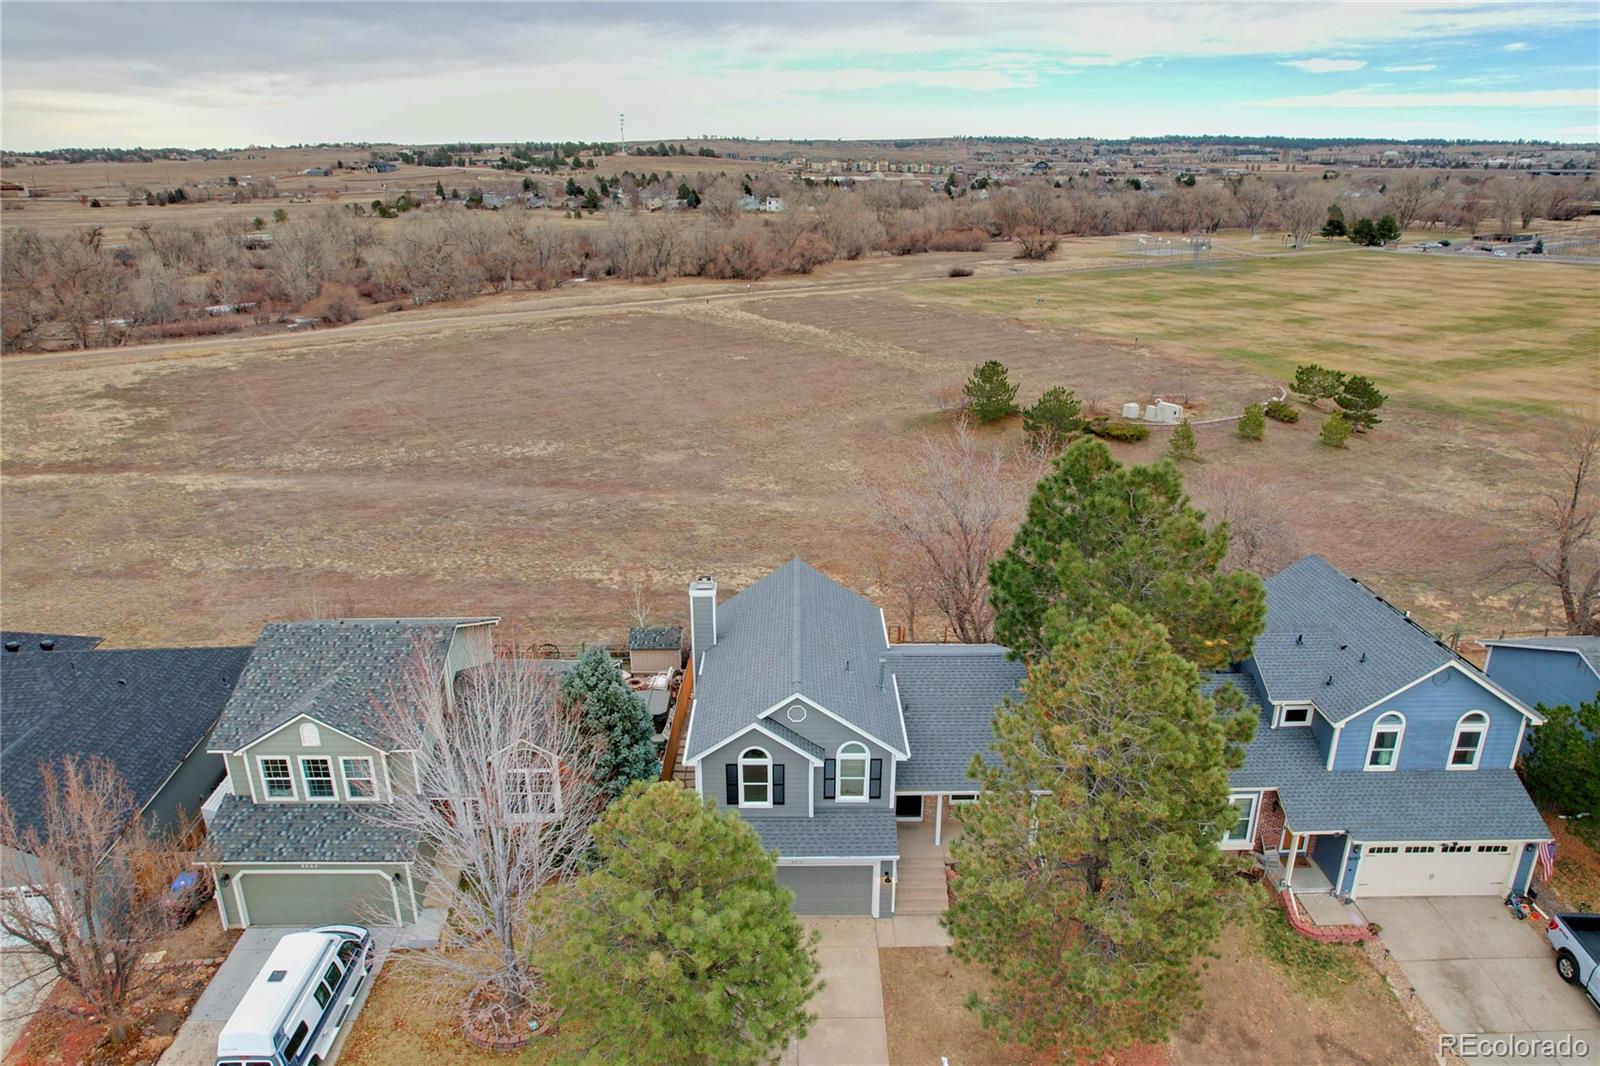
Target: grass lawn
[1473, 336]
[1272, 996]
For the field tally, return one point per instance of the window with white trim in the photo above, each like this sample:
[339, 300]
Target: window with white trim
[1466, 748]
[1242, 830]
[317, 775]
[276, 779]
[310, 735]
[1387, 733]
[852, 772]
[755, 778]
[1295, 714]
[359, 784]
[532, 784]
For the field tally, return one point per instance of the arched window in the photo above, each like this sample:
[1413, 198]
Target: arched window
[310, 735]
[1387, 732]
[852, 772]
[1467, 747]
[532, 784]
[755, 778]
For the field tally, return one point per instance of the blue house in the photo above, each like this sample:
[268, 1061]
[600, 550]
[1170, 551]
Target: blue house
[1383, 762]
[1554, 671]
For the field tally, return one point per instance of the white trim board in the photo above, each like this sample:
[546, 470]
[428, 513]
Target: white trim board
[764, 731]
[1469, 674]
[803, 698]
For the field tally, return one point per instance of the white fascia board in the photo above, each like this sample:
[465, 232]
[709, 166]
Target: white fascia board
[764, 731]
[814, 705]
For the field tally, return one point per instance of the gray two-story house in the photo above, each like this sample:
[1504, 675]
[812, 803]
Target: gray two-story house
[303, 757]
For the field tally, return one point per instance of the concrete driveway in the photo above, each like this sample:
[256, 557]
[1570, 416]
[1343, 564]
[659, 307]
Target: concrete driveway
[1481, 971]
[850, 1030]
[196, 1042]
[25, 981]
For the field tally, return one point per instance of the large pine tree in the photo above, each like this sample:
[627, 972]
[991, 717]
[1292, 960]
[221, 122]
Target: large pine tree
[679, 947]
[1089, 875]
[1098, 533]
[617, 717]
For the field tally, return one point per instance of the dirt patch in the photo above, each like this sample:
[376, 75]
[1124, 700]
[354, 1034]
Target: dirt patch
[1576, 885]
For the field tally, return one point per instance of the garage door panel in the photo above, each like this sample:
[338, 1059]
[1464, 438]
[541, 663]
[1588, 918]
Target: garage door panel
[1431, 870]
[316, 898]
[829, 889]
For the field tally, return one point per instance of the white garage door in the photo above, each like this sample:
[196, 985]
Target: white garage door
[1424, 869]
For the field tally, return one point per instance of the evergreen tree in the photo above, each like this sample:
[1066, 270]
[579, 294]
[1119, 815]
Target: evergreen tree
[1315, 382]
[1334, 227]
[1098, 533]
[1089, 878]
[679, 947]
[1561, 765]
[1253, 423]
[1336, 430]
[438, 189]
[1183, 444]
[617, 717]
[1054, 419]
[1359, 400]
[991, 392]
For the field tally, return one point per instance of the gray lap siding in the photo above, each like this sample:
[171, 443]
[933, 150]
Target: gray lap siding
[713, 772]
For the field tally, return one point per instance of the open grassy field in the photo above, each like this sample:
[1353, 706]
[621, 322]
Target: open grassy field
[536, 454]
[1486, 337]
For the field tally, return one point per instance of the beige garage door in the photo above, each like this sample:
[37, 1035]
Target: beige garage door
[317, 897]
[1433, 869]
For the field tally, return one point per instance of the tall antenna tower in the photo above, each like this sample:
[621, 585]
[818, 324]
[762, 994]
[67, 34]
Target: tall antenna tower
[622, 131]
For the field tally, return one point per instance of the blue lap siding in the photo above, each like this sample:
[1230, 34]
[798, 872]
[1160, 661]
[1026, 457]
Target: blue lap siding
[1432, 708]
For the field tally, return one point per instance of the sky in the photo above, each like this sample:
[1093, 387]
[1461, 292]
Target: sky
[235, 74]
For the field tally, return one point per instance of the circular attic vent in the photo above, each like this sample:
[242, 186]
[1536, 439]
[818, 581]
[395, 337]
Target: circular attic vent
[797, 713]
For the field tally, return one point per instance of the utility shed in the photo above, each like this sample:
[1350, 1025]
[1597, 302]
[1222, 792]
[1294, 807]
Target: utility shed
[655, 649]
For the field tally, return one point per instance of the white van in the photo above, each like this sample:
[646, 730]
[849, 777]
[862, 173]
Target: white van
[301, 999]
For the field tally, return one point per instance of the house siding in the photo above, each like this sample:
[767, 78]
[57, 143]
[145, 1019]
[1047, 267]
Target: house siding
[1524, 870]
[1347, 882]
[1432, 708]
[286, 742]
[1323, 731]
[820, 729]
[796, 773]
[1553, 678]
[1326, 852]
[195, 779]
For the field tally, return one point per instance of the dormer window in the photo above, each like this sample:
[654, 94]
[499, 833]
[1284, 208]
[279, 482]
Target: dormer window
[1292, 714]
[1467, 747]
[1387, 733]
[310, 735]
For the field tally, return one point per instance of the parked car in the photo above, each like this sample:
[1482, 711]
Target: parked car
[300, 1001]
[1576, 938]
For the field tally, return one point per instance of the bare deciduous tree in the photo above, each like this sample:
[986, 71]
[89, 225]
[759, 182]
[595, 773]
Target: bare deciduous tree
[1557, 547]
[1302, 214]
[98, 877]
[1261, 535]
[948, 521]
[503, 805]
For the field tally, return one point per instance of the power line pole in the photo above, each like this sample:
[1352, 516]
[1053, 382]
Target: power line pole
[622, 131]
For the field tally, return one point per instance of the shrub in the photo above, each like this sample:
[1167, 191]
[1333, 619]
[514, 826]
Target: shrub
[1281, 411]
[1183, 444]
[1336, 430]
[334, 304]
[1315, 382]
[1034, 243]
[1108, 429]
[1253, 424]
[1055, 418]
[971, 239]
[961, 272]
[993, 395]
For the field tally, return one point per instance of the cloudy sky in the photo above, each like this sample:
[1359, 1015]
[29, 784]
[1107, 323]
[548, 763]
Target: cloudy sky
[226, 74]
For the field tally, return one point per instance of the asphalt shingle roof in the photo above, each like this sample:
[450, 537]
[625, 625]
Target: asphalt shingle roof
[1322, 625]
[144, 709]
[835, 832]
[331, 670]
[1587, 648]
[794, 630]
[806, 745]
[1483, 804]
[655, 638]
[949, 693]
[29, 642]
[242, 831]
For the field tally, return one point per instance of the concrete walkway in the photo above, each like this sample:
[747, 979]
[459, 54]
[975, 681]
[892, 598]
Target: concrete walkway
[850, 1029]
[1480, 971]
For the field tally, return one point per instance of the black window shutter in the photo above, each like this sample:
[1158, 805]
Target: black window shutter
[733, 784]
[875, 780]
[827, 779]
[777, 784]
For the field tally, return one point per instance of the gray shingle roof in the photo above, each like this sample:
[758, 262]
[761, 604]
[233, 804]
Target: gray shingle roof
[331, 670]
[655, 638]
[242, 831]
[836, 831]
[1483, 804]
[1587, 648]
[144, 709]
[806, 745]
[1321, 625]
[29, 642]
[794, 630]
[949, 693]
